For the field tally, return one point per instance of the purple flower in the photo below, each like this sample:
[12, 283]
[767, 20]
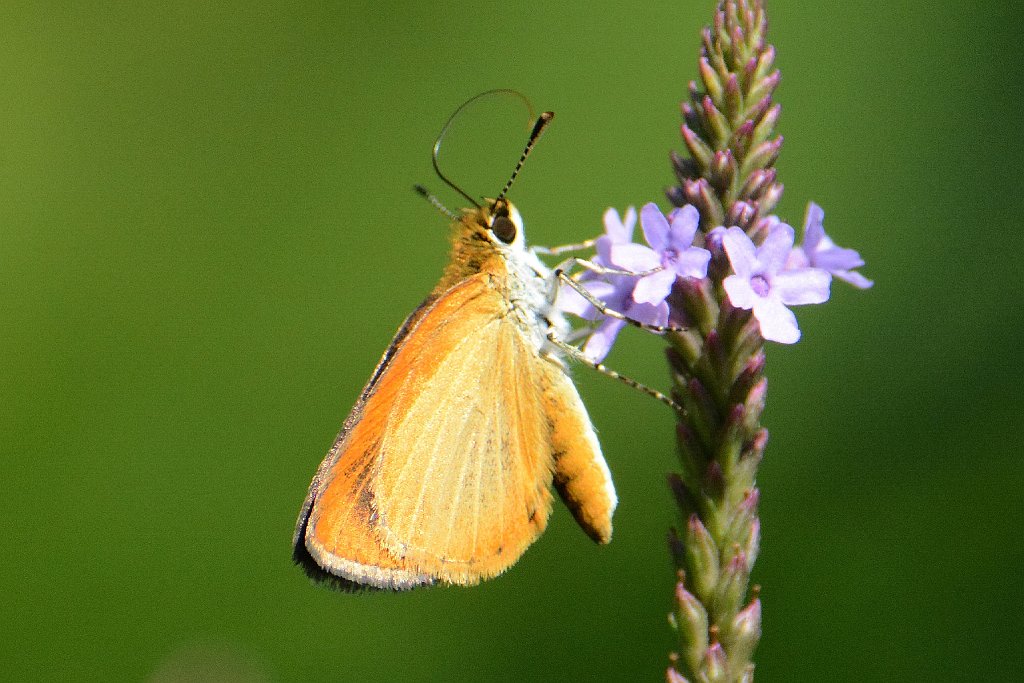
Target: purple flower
[671, 252]
[819, 251]
[615, 291]
[762, 282]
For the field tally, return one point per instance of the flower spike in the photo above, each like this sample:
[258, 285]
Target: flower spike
[718, 275]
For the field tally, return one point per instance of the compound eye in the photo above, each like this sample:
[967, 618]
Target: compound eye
[504, 229]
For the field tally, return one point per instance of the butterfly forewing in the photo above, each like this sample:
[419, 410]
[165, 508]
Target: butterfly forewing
[444, 473]
[462, 486]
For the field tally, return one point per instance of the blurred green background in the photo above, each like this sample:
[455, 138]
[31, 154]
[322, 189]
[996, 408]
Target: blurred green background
[207, 238]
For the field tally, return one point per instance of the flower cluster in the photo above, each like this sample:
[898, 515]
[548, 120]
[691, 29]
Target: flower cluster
[634, 279]
[766, 278]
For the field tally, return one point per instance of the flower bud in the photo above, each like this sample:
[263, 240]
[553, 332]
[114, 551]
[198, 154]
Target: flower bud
[692, 620]
[745, 527]
[685, 167]
[715, 349]
[673, 676]
[756, 181]
[694, 91]
[754, 405]
[702, 557]
[749, 376]
[766, 126]
[690, 116]
[675, 195]
[732, 588]
[733, 97]
[764, 62]
[698, 149]
[751, 542]
[771, 196]
[699, 193]
[744, 636]
[722, 170]
[765, 86]
[741, 214]
[685, 498]
[717, 125]
[716, 668]
[762, 155]
[752, 455]
[712, 83]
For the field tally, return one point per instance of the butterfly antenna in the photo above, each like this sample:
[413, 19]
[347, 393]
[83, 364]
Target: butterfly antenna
[448, 124]
[538, 128]
[425, 193]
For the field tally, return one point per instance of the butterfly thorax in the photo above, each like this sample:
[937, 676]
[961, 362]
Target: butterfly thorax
[473, 251]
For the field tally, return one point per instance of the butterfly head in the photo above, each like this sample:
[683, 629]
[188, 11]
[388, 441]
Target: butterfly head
[498, 222]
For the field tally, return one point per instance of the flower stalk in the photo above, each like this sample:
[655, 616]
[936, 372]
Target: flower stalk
[717, 364]
[719, 273]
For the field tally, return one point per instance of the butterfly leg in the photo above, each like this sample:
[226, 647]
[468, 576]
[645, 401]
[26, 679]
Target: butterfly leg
[568, 264]
[562, 276]
[564, 248]
[577, 354]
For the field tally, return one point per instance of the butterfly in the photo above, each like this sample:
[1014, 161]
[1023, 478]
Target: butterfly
[442, 472]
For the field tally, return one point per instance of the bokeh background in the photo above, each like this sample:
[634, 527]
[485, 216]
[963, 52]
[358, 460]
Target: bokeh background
[207, 238]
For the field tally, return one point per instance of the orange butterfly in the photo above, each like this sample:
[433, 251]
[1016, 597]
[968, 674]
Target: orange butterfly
[442, 471]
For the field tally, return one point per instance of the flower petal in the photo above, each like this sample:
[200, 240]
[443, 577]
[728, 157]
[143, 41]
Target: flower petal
[804, 286]
[741, 252]
[776, 247]
[777, 322]
[713, 240]
[620, 230]
[683, 227]
[653, 288]
[603, 246]
[629, 222]
[797, 259]
[741, 294]
[855, 279]
[636, 258]
[836, 258]
[600, 342]
[649, 314]
[655, 227]
[814, 229]
[693, 263]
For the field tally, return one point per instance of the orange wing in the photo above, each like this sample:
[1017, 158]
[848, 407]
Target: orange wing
[442, 470]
